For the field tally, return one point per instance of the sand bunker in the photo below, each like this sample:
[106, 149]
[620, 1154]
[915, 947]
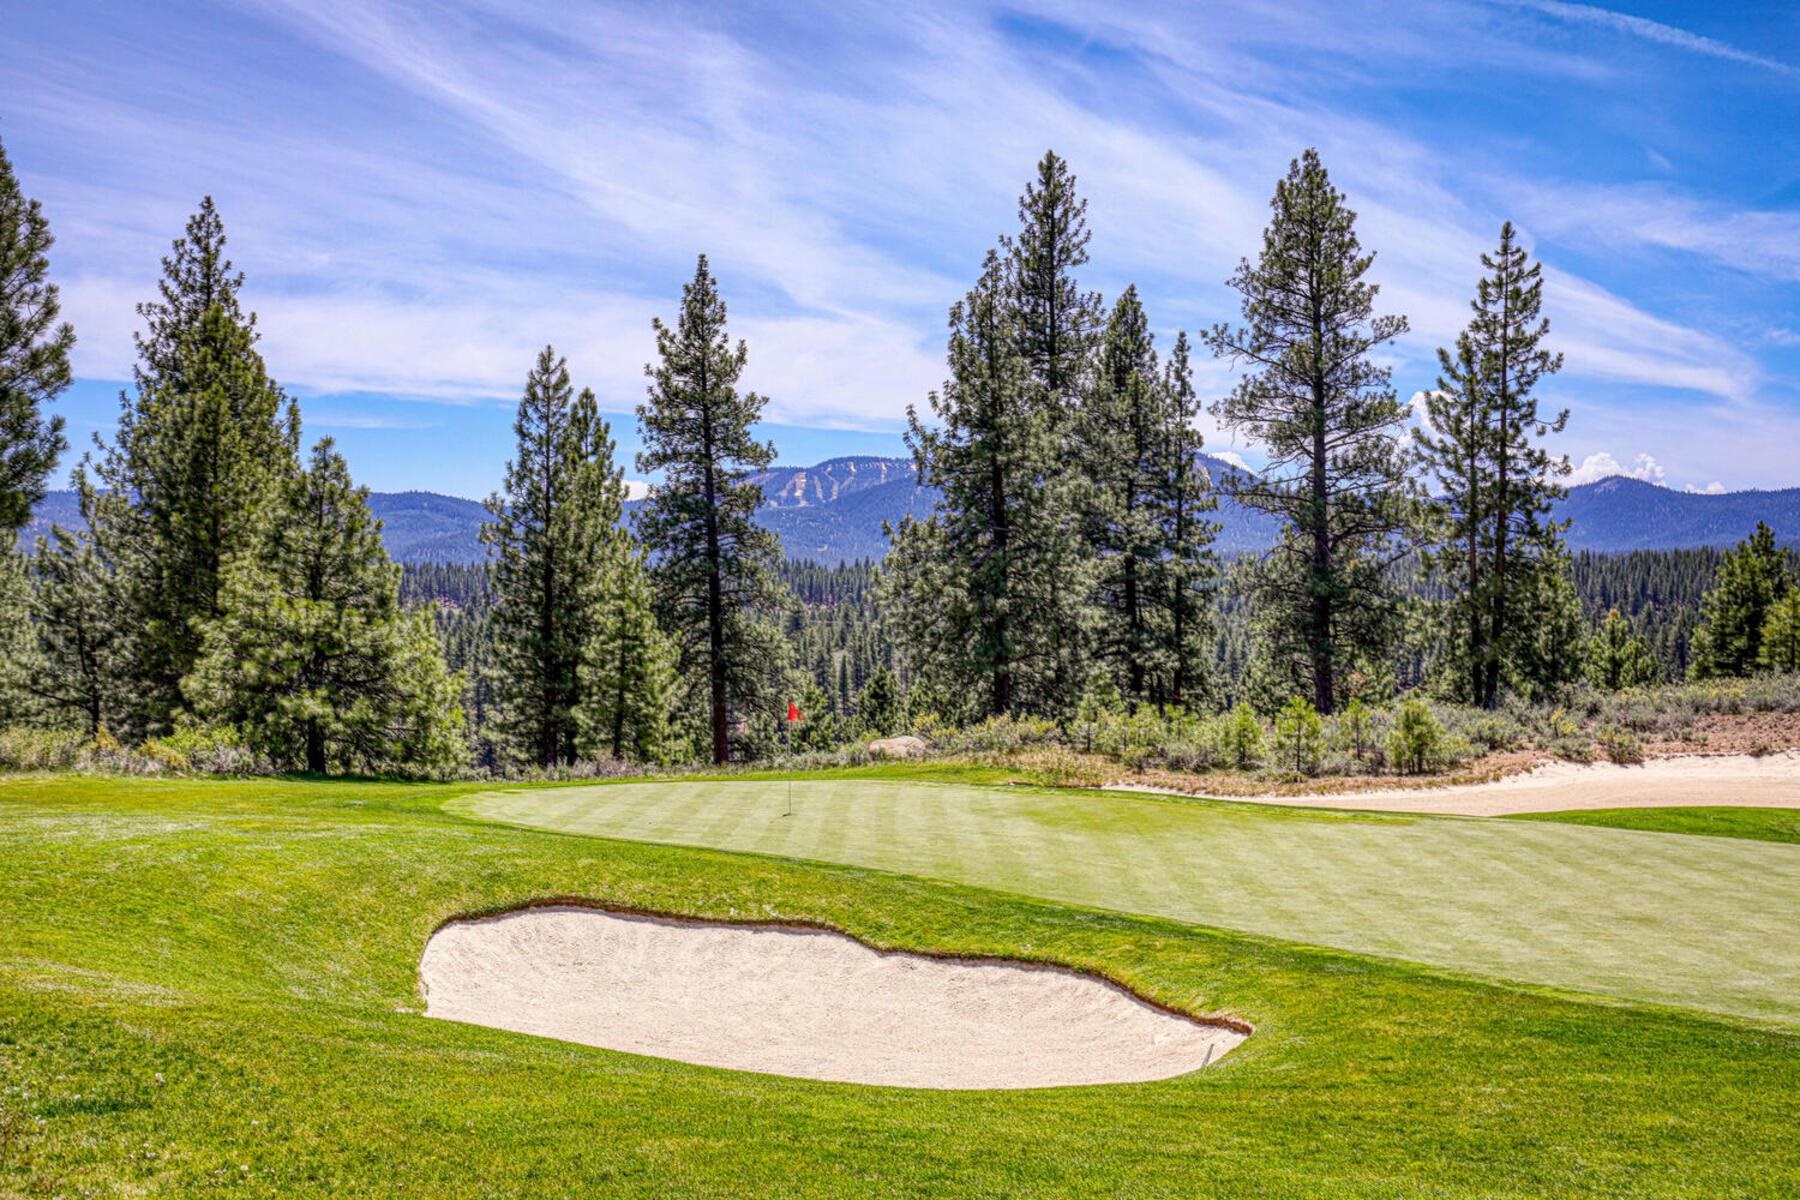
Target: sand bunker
[801, 1002]
[1769, 781]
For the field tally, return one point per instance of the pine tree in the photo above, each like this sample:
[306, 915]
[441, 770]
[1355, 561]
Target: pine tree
[34, 353]
[1118, 435]
[556, 541]
[75, 621]
[1056, 322]
[313, 660]
[712, 565]
[1324, 408]
[1136, 447]
[196, 278]
[1751, 578]
[1057, 326]
[628, 673]
[1618, 658]
[1781, 635]
[1497, 482]
[987, 586]
[20, 666]
[880, 709]
[1547, 637]
[1190, 570]
[1299, 736]
[202, 453]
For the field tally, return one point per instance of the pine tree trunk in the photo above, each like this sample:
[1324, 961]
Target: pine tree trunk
[1477, 650]
[620, 697]
[1000, 702]
[1134, 665]
[1490, 692]
[315, 749]
[1324, 685]
[715, 607]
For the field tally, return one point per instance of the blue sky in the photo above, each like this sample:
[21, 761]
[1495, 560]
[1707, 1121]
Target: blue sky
[422, 196]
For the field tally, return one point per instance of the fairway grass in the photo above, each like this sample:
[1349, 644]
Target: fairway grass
[1757, 824]
[1705, 923]
[211, 987]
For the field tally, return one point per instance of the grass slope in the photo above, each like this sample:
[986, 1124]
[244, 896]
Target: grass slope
[1757, 824]
[1705, 923]
[210, 987]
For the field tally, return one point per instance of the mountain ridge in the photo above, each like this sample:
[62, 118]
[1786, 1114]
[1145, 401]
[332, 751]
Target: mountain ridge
[834, 510]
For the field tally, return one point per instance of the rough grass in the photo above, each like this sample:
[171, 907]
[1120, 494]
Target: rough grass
[1705, 923]
[1757, 824]
[209, 986]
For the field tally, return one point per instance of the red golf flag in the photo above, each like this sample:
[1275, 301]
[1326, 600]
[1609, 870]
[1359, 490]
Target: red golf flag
[793, 712]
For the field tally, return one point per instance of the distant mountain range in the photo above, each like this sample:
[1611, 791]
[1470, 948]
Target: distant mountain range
[834, 511]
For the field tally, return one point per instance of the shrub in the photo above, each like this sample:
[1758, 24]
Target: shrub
[1196, 753]
[1354, 730]
[24, 749]
[1417, 743]
[1621, 745]
[209, 749]
[1299, 736]
[1241, 737]
[1573, 749]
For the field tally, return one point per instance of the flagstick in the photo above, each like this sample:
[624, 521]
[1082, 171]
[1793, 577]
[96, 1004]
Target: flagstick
[787, 742]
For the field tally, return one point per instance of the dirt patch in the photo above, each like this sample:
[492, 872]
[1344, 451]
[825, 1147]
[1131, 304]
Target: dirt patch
[1238, 784]
[805, 1002]
[1733, 733]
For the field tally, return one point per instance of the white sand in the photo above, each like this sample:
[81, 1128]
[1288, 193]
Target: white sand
[1771, 781]
[801, 1002]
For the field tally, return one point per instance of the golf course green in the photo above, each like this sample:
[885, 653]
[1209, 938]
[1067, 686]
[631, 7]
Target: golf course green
[1705, 923]
[211, 986]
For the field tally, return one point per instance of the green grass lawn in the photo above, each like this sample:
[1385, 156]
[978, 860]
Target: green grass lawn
[1702, 922]
[210, 987]
[1757, 824]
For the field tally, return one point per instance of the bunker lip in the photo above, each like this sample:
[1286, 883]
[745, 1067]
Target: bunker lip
[803, 999]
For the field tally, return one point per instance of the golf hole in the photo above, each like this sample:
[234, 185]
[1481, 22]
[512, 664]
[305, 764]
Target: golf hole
[810, 1003]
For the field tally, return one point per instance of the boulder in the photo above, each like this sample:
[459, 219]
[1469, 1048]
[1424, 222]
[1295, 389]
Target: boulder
[904, 746]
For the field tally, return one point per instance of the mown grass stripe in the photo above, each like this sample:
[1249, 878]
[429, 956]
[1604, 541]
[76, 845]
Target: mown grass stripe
[1687, 921]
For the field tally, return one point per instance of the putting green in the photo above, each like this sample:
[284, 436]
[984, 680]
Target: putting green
[1700, 922]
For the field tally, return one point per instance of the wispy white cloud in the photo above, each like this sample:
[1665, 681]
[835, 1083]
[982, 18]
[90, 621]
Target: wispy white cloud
[1630, 216]
[545, 172]
[1656, 31]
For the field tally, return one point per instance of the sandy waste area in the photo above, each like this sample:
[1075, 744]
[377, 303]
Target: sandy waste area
[1768, 781]
[802, 1002]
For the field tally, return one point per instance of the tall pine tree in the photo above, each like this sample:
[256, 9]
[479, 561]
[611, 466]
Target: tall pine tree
[34, 353]
[712, 566]
[998, 582]
[1058, 326]
[1482, 442]
[1322, 406]
[312, 658]
[1145, 490]
[202, 453]
[988, 582]
[1188, 574]
[555, 537]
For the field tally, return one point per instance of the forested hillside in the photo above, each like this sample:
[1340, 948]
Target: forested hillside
[834, 512]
